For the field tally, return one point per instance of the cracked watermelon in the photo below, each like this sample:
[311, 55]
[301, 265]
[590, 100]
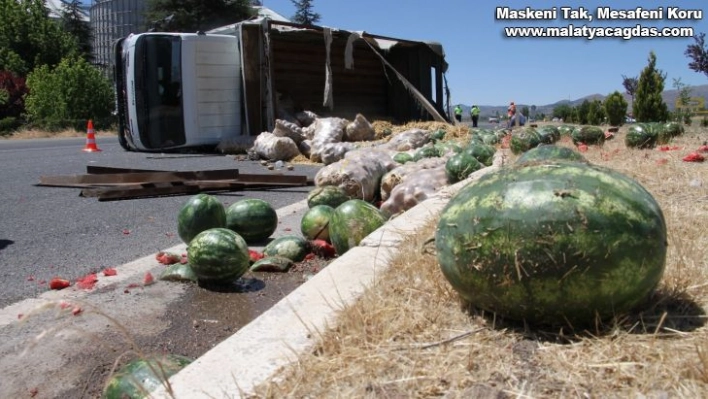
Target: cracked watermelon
[351, 222]
[315, 222]
[218, 255]
[554, 243]
[253, 219]
[141, 376]
[199, 213]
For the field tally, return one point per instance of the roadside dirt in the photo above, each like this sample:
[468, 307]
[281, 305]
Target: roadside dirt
[84, 349]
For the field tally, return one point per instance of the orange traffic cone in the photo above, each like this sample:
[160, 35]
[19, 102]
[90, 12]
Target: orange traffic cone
[90, 138]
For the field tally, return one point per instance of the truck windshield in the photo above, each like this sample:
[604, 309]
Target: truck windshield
[158, 91]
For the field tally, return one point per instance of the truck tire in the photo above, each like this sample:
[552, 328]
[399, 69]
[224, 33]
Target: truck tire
[123, 142]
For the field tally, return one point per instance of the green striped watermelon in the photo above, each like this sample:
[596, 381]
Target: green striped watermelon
[252, 218]
[218, 255]
[327, 195]
[548, 134]
[402, 157]
[524, 140]
[550, 152]
[289, 246]
[139, 377]
[351, 222]
[484, 153]
[315, 222]
[461, 165]
[588, 135]
[199, 213]
[643, 135]
[553, 243]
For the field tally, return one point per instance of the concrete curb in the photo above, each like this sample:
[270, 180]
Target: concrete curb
[252, 355]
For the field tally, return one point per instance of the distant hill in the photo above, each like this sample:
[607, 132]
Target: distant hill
[668, 95]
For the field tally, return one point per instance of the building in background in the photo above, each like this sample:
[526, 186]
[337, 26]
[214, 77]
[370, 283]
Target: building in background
[110, 20]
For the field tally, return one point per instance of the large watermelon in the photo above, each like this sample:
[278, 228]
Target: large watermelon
[524, 140]
[327, 195]
[643, 135]
[484, 153]
[588, 135]
[352, 222]
[199, 213]
[218, 255]
[553, 243]
[548, 134]
[314, 224]
[138, 378]
[252, 218]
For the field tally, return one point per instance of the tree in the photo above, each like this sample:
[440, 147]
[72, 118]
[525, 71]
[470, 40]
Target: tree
[615, 108]
[684, 99]
[72, 23]
[29, 38]
[533, 111]
[596, 113]
[649, 106]
[562, 112]
[68, 95]
[525, 111]
[698, 53]
[583, 112]
[195, 15]
[304, 13]
[630, 85]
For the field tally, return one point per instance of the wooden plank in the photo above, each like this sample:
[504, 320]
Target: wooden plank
[99, 170]
[133, 192]
[138, 177]
[242, 177]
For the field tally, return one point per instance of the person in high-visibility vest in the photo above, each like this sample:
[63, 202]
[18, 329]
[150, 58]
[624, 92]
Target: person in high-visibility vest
[474, 113]
[458, 113]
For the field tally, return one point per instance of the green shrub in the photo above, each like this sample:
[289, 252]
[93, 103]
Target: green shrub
[615, 108]
[704, 121]
[68, 95]
[8, 125]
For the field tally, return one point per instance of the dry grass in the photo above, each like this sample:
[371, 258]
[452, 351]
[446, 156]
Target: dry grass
[410, 336]
[24, 134]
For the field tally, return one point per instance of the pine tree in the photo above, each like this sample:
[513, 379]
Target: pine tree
[615, 108]
[649, 106]
[73, 24]
[195, 15]
[304, 13]
[698, 53]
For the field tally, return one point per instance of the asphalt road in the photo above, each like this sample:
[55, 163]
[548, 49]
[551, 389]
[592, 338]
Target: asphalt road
[48, 232]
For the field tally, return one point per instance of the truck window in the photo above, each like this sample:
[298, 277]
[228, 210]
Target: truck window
[158, 91]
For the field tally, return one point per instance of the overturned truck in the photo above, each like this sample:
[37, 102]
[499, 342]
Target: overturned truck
[178, 90]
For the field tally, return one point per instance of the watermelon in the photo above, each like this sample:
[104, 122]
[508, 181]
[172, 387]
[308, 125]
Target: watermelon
[484, 153]
[218, 255]
[352, 222]
[548, 134]
[588, 135]
[437, 135]
[447, 147]
[289, 246]
[673, 129]
[402, 157]
[199, 213]
[252, 218]
[566, 130]
[553, 243]
[272, 264]
[642, 135]
[178, 272]
[327, 195]
[550, 152]
[139, 377]
[461, 165]
[524, 140]
[315, 222]
[427, 151]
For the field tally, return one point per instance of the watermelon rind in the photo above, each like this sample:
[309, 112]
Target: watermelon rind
[200, 212]
[352, 222]
[253, 219]
[141, 376]
[275, 263]
[218, 255]
[556, 243]
[178, 272]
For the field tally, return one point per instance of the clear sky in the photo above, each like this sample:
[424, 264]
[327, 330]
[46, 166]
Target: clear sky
[488, 68]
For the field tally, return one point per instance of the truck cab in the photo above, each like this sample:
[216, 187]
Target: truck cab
[177, 90]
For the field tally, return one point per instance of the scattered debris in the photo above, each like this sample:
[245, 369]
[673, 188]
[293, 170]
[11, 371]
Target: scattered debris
[59, 283]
